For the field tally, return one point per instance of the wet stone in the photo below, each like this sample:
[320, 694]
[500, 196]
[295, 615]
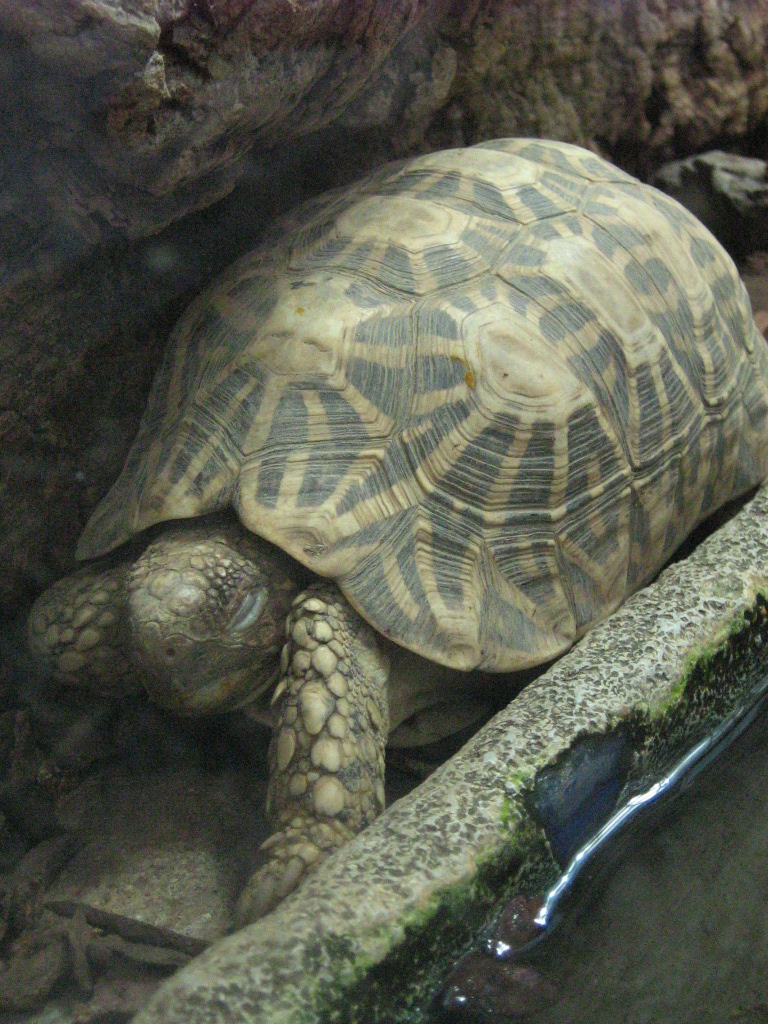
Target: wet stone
[482, 988]
[574, 796]
[516, 926]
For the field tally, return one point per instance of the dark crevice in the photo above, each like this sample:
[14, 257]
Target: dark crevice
[192, 53]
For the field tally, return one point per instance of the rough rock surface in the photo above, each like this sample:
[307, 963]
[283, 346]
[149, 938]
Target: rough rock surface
[643, 80]
[147, 109]
[729, 193]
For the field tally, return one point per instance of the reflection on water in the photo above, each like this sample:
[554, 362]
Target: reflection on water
[676, 933]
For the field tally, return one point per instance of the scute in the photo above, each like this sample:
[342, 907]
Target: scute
[488, 390]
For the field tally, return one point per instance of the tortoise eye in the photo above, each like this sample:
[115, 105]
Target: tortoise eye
[249, 611]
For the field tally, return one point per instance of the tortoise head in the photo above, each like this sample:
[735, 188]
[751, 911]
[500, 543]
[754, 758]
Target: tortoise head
[206, 609]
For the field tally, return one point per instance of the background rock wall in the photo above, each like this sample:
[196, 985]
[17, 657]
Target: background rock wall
[146, 143]
[643, 81]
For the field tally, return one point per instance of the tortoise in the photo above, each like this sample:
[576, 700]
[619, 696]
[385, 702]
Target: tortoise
[463, 408]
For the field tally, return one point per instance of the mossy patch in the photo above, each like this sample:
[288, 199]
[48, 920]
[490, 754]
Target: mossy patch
[716, 681]
[431, 938]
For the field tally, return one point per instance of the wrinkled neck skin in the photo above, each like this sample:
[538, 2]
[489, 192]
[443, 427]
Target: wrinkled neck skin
[207, 604]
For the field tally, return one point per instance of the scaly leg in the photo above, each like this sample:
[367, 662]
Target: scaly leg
[327, 754]
[77, 631]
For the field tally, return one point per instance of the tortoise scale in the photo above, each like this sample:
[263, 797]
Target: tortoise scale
[470, 404]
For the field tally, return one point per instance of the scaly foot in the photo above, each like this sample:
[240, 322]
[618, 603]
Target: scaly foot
[327, 754]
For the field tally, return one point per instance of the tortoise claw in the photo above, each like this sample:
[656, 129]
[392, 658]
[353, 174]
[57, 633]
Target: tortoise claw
[289, 856]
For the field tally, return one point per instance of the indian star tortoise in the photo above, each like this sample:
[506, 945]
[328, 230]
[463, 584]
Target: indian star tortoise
[467, 406]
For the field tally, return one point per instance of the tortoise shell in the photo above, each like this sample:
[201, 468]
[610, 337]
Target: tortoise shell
[487, 390]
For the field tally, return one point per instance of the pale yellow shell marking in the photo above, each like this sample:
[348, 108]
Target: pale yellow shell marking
[464, 622]
[255, 438]
[716, 387]
[402, 221]
[316, 318]
[490, 166]
[399, 588]
[296, 462]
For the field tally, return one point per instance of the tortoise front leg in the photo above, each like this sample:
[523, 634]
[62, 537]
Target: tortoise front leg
[327, 754]
[77, 631]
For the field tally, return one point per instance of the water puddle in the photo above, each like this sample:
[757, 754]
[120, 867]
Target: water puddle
[657, 916]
